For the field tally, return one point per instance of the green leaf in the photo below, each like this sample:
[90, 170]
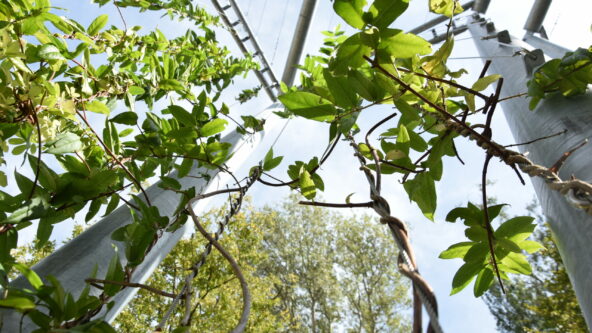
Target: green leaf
[95, 205]
[350, 11]
[483, 282]
[183, 116]
[530, 246]
[457, 250]
[19, 303]
[341, 89]
[49, 52]
[171, 84]
[465, 274]
[385, 12]
[485, 81]
[212, 127]
[97, 24]
[516, 263]
[422, 190]
[351, 53]
[113, 203]
[516, 229]
[135, 90]
[98, 107]
[270, 162]
[403, 45]
[126, 118]
[509, 245]
[446, 7]
[307, 185]
[114, 273]
[477, 252]
[31, 276]
[64, 143]
[308, 105]
[31, 210]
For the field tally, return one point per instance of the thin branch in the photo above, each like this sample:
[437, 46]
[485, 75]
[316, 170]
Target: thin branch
[38, 167]
[236, 269]
[555, 168]
[132, 285]
[485, 68]
[338, 205]
[325, 156]
[401, 167]
[373, 150]
[488, 227]
[536, 140]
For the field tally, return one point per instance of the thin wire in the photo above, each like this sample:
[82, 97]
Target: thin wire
[281, 132]
[261, 20]
[277, 41]
[249, 5]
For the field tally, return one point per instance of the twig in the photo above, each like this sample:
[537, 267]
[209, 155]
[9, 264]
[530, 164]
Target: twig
[236, 269]
[535, 140]
[132, 285]
[373, 150]
[488, 227]
[485, 68]
[38, 166]
[325, 156]
[401, 167]
[555, 168]
[338, 205]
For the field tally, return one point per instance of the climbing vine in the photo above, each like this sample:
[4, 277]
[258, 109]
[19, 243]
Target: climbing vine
[57, 77]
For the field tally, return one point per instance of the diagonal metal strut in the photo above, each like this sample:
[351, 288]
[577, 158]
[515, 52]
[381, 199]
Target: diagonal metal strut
[233, 17]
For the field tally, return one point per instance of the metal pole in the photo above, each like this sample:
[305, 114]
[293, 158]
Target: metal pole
[298, 40]
[74, 262]
[571, 227]
[481, 6]
[537, 15]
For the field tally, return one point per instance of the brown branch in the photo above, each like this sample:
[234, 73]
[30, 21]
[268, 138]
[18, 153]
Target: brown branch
[401, 167]
[236, 269]
[535, 140]
[555, 168]
[38, 167]
[338, 205]
[488, 228]
[373, 150]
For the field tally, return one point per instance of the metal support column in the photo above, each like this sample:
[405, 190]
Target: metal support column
[571, 227]
[74, 262]
[298, 40]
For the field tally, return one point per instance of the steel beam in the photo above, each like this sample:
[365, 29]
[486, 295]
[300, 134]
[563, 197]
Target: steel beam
[481, 6]
[549, 48]
[571, 227]
[298, 41]
[72, 263]
[537, 15]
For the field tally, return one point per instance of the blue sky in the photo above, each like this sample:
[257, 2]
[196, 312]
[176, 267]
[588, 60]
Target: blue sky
[568, 23]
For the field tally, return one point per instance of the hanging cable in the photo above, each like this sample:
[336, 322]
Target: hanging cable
[277, 41]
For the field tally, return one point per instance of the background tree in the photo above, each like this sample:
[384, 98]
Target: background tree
[309, 270]
[543, 301]
[333, 266]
